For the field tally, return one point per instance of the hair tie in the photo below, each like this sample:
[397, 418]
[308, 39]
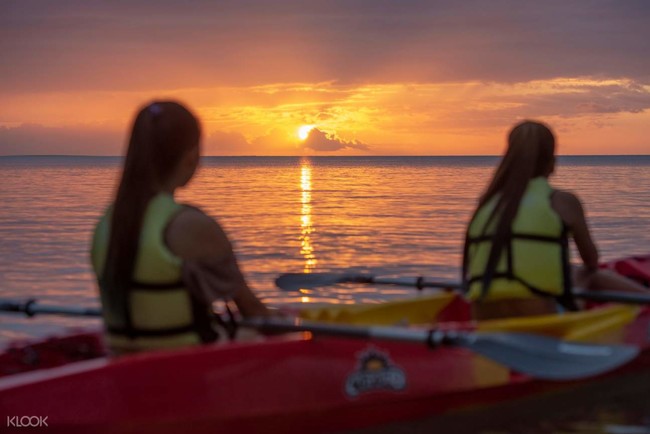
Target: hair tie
[155, 109]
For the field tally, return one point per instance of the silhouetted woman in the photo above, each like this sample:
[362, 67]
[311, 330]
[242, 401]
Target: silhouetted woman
[161, 264]
[516, 258]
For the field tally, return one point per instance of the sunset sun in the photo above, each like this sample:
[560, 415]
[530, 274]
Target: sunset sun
[303, 131]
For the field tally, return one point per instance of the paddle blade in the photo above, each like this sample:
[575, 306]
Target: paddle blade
[298, 281]
[545, 357]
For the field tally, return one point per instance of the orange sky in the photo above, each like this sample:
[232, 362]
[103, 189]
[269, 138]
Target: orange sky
[374, 78]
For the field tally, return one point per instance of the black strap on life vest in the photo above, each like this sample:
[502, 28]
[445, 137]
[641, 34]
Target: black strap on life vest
[229, 324]
[201, 313]
[566, 299]
[157, 287]
[201, 316]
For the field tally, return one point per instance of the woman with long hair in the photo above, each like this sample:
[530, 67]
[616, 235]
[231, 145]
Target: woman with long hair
[160, 264]
[516, 256]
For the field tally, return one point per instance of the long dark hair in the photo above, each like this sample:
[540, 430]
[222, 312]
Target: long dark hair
[162, 133]
[531, 150]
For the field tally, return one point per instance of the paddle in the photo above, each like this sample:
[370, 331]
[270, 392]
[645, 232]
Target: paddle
[297, 281]
[537, 356]
[30, 308]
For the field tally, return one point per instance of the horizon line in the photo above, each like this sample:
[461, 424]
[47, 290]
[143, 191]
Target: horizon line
[320, 156]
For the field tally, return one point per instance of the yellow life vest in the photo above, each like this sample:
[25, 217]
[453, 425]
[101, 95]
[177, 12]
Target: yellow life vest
[162, 313]
[535, 260]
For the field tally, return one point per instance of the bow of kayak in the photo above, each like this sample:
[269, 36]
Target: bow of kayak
[295, 383]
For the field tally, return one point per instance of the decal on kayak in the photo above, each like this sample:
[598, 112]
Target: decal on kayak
[375, 371]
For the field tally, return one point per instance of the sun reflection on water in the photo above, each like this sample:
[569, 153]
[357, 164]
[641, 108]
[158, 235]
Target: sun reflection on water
[306, 224]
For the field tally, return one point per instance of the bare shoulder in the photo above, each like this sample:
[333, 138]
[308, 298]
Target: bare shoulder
[192, 234]
[566, 198]
[568, 206]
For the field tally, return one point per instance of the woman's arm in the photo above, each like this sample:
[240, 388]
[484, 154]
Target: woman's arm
[568, 206]
[570, 210]
[209, 261]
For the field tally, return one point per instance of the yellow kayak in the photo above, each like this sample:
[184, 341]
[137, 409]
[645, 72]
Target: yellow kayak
[602, 324]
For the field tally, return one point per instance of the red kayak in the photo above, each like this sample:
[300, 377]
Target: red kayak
[297, 382]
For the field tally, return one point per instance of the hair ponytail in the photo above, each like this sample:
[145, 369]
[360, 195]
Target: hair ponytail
[162, 133]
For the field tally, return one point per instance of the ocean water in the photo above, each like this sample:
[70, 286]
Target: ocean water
[395, 216]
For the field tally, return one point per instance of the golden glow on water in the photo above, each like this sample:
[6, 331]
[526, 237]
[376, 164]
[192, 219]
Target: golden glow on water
[393, 216]
[306, 224]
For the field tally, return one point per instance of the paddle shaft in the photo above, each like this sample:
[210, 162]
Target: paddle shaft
[598, 296]
[418, 282]
[31, 308]
[310, 280]
[433, 337]
[613, 296]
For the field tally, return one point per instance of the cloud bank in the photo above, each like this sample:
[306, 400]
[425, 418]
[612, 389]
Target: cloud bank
[318, 140]
[34, 139]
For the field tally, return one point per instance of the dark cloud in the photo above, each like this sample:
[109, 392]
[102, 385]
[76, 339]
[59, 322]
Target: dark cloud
[565, 99]
[594, 107]
[223, 143]
[68, 45]
[33, 139]
[589, 100]
[322, 142]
